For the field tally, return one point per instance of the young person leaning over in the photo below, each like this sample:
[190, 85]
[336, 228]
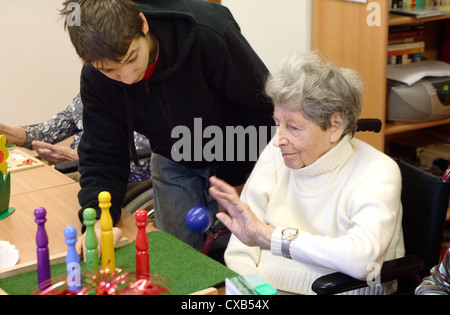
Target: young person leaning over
[152, 66]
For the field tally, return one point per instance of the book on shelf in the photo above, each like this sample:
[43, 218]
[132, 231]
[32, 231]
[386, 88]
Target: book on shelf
[445, 4]
[403, 40]
[404, 59]
[404, 4]
[406, 44]
[406, 28]
[420, 12]
[406, 35]
[398, 4]
[406, 52]
[394, 4]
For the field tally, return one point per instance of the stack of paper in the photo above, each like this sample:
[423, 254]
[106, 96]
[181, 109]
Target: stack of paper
[412, 72]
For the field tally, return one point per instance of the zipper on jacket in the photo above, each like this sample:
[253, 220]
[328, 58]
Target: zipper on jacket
[147, 87]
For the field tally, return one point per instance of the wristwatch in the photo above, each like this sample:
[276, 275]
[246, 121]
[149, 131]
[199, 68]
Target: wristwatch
[287, 235]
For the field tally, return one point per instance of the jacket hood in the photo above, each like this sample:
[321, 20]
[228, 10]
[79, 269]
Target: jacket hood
[175, 28]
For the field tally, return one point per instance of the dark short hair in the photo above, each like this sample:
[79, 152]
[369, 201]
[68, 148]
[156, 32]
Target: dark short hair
[106, 28]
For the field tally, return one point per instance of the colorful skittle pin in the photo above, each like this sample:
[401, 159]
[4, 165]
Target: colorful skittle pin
[89, 216]
[72, 260]
[42, 251]
[142, 254]
[106, 225]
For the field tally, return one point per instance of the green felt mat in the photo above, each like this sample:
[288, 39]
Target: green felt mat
[188, 270]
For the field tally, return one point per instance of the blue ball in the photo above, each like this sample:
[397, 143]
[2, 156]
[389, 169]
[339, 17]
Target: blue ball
[198, 219]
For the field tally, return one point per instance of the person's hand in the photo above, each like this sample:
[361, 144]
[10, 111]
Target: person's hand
[81, 244]
[238, 191]
[14, 134]
[54, 154]
[239, 218]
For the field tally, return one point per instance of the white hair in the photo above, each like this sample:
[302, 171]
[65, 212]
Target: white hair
[315, 86]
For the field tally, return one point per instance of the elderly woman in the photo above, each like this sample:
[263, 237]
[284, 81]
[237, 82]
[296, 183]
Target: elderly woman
[318, 200]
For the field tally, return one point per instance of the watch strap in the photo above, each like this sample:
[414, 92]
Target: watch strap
[286, 242]
[285, 247]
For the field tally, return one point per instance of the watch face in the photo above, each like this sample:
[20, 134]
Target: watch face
[290, 232]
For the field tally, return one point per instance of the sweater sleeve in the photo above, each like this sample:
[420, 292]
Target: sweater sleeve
[239, 257]
[56, 129]
[104, 149]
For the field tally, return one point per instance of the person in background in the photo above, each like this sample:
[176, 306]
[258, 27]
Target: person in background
[44, 137]
[438, 283]
[318, 200]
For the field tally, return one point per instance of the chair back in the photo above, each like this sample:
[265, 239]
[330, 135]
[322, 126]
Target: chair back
[425, 202]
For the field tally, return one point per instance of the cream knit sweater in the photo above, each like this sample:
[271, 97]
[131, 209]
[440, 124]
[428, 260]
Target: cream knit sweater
[346, 206]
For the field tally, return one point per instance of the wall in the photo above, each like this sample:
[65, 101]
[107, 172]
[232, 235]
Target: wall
[274, 28]
[39, 69]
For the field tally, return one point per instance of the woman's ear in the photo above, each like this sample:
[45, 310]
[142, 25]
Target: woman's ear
[337, 127]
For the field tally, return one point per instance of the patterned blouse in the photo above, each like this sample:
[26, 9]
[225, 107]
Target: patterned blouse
[69, 123]
[438, 283]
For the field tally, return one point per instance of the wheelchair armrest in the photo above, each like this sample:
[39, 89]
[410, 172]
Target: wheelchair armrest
[72, 166]
[369, 124]
[392, 270]
[67, 167]
[216, 230]
[144, 153]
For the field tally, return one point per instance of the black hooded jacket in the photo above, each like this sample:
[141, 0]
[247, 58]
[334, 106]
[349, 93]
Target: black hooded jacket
[207, 72]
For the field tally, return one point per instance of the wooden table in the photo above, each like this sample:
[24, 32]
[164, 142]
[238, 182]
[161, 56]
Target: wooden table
[45, 187]
[19, 228]
[38, 178]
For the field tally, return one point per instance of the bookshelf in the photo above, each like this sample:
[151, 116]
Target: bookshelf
[341, 32]
[392, 129]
